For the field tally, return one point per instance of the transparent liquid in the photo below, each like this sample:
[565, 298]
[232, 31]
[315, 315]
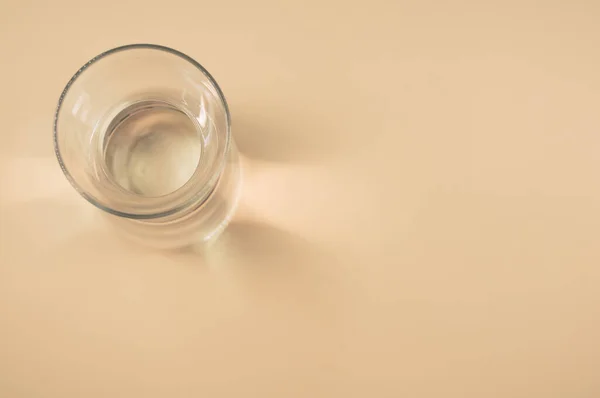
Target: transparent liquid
[152, 148]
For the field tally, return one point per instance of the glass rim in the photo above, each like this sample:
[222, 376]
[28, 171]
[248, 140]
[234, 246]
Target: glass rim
[193, 198]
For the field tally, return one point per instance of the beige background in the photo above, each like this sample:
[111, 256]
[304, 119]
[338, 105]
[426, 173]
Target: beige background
[421, 213]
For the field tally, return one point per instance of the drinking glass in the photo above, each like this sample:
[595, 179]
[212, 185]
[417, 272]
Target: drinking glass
[142, 132]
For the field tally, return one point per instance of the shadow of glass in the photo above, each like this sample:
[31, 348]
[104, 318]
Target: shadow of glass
[264, 246]
[278, 268]
[287, 135]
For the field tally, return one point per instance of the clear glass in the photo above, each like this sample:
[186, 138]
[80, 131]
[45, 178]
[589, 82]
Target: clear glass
[143, 133]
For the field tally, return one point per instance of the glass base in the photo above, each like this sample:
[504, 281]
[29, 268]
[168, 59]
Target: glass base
[197, 226]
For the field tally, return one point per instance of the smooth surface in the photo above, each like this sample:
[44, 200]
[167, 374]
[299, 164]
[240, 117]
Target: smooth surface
[421, 213]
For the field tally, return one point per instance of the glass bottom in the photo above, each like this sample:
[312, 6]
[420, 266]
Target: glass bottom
[152, 148]
[197, 226]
